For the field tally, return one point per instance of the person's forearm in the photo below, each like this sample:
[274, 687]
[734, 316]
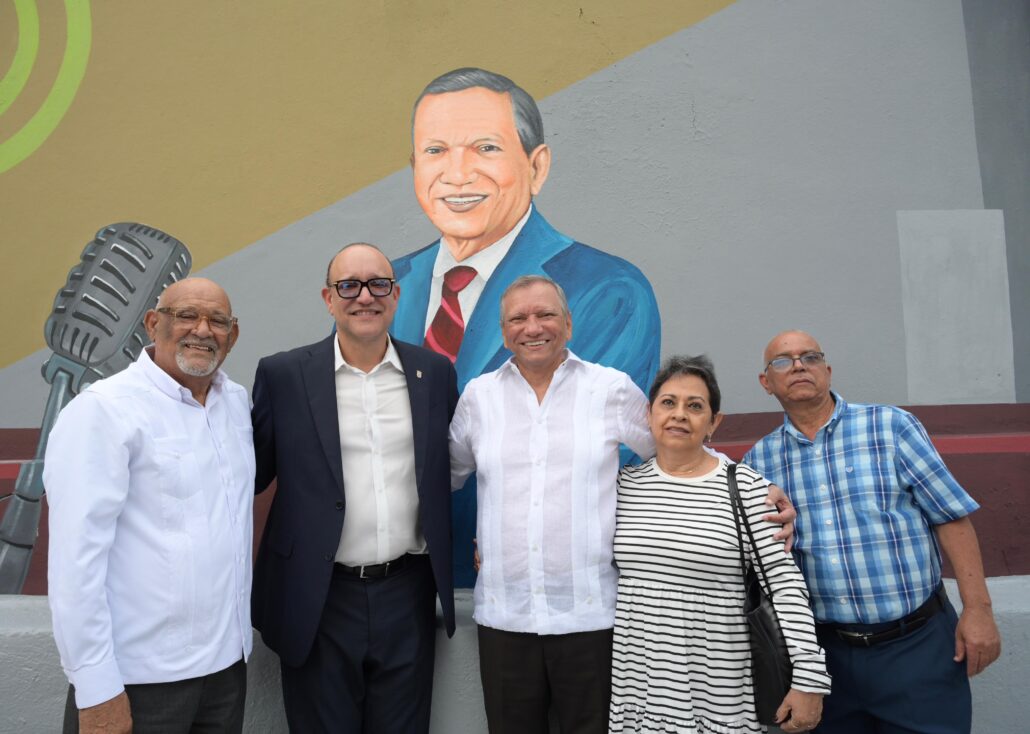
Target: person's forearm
[958, 541]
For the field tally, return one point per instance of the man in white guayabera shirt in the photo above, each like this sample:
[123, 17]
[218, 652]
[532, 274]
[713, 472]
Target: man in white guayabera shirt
[542, 432]
[150, 479]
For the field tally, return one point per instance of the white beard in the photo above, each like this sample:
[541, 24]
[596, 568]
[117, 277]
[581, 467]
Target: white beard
[193, 369]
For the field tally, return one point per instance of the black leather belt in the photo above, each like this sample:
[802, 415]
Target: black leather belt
[867, 635]
[376, 570]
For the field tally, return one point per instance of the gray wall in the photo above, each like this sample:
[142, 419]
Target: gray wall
[998, 40]
[33, 688]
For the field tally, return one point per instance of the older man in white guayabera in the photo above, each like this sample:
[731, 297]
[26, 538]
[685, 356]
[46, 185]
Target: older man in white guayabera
[150, 479]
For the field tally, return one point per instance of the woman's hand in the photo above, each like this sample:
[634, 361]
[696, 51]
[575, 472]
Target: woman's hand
[799, 711]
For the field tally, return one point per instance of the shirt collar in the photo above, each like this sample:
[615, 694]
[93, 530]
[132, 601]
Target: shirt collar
[486, 260]
[168, 384]
[839, 406]
[391, 358]
[571, 361]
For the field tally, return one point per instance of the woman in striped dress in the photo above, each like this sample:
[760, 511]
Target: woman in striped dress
[681, 660]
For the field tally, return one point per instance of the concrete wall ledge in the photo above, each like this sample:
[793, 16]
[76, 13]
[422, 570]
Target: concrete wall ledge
[33, 687]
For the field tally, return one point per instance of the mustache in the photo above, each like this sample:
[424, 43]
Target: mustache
[194, 342]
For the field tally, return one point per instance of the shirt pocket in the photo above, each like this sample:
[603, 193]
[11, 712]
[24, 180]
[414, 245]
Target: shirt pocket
[176, 467]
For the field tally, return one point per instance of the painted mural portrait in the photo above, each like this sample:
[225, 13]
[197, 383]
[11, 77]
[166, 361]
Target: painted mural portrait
[478, 159]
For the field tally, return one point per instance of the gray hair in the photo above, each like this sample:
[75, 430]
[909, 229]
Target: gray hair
[525, 281]
[700, 367]
[528, 122]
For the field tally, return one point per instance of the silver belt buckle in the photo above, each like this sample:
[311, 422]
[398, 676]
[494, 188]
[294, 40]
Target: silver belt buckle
[861, 637]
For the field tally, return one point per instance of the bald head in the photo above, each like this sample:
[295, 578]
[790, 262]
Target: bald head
[781, 344]
[195, 287]
[800, 377]
[331, 278]
[193, 330]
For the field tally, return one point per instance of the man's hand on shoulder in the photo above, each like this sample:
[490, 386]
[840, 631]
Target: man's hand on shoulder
[110, 717]
[976, 639]
[785, 515]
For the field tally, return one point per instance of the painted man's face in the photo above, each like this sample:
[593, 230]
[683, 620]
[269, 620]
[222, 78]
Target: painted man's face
[472, 177]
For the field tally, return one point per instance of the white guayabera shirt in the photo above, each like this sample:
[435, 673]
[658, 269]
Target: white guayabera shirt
[151, 504]
[546, 489]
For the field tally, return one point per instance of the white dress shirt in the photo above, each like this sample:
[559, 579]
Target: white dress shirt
[485, 262]
[546, 486]
[380, 521]
[151, 497]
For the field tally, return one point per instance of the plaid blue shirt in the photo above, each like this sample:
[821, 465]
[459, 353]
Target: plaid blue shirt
[868, 490]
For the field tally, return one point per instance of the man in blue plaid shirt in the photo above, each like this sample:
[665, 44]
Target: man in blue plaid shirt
[875, 503]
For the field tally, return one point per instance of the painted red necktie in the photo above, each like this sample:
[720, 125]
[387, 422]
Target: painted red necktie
[448, 327]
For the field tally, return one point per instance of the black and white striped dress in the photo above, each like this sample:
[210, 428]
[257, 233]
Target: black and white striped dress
[680, 661]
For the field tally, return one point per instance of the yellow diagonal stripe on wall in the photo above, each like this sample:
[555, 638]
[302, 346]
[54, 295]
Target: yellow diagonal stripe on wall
[223, 122]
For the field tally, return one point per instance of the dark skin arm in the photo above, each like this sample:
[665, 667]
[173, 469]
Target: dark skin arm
[976, 637]
[785, 515]
[110, 717]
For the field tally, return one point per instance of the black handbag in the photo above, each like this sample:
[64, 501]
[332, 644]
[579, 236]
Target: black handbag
[771, 669]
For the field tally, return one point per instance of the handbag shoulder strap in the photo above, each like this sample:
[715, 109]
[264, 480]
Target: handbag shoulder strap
[740, 520]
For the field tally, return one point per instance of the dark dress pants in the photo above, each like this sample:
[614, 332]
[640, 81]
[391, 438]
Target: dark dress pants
[525, 674]
[210, 704]
[370, 670]
[909, 685]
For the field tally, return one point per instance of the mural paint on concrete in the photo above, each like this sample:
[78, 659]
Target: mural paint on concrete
[479, 157]
[34, 133]
[95, 330]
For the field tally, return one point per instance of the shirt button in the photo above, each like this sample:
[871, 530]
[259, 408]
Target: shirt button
[339, 504]
[822, 487]
[849, 469]
[535, 549]
[536, 503]
[833, 561]
[829, 522]
[329, 556]
[843, 600]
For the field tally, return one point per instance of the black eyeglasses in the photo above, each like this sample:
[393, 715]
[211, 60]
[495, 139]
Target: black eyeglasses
[785, 364]
[351, 288]
[188, 318]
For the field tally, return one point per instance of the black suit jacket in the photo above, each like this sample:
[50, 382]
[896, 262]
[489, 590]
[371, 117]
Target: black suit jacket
[297, 440]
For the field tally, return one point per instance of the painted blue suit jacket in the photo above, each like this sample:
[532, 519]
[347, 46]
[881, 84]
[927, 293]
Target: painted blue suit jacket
[614, 313]
[615, 322]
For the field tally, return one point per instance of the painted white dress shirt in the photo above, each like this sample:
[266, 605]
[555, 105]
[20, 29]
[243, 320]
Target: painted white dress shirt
[151, 498]
[546, 490]
[485, 262]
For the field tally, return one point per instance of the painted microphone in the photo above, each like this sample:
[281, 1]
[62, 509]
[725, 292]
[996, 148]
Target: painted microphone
[95, 330]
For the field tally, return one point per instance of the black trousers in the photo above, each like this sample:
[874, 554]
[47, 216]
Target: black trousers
[371, 667]
[210, 704]
[524, 674]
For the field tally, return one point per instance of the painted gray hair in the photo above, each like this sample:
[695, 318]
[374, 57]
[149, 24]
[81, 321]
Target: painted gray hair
[528, 122]
[525, 281]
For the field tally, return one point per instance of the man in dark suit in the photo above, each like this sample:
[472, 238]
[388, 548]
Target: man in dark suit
[358, 541]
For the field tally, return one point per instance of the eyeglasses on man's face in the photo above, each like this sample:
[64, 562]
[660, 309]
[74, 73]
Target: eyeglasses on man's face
[190, 318]
[351, 288]
[785, 364]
